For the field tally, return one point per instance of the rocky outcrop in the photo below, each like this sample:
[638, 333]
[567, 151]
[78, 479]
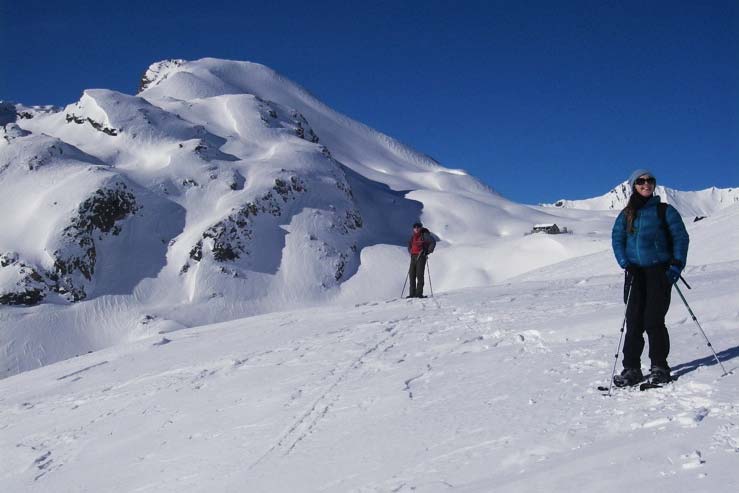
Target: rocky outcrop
[98, 216]
[157, 73]
[276, 116]
[12, 131]
[30, 287]
[72, 118]
[229, 238]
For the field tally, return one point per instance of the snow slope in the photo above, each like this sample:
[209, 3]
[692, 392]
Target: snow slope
[484, 389]
[223, 190]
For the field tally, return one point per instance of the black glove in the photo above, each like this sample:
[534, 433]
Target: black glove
[673, 274]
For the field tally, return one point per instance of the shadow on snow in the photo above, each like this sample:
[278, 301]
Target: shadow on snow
[723, 356]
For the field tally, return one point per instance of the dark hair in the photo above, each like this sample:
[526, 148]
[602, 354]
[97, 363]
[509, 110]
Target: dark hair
[417, 225]
[630, 210]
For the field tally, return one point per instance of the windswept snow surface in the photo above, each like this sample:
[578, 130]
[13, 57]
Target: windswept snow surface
[477, 390]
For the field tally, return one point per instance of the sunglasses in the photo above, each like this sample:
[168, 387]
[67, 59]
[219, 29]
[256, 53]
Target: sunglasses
[642, 181]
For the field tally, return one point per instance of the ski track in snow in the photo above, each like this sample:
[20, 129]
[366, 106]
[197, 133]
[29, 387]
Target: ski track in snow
[492, 388]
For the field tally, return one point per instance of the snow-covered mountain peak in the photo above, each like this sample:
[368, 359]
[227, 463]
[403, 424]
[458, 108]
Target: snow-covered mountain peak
[359, 147]
[690, 204]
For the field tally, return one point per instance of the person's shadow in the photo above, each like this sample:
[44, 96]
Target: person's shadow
[723, 356]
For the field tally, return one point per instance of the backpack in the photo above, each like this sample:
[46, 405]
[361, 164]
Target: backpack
[432, 240]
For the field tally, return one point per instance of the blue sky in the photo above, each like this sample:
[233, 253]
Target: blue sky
[539, 99]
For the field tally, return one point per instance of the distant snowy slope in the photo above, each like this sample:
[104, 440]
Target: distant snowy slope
[690, 204]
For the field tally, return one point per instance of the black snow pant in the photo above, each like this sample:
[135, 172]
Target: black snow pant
[415, 274]
[648, 305]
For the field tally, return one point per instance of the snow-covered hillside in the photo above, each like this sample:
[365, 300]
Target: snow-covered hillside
[477, 390]
[222, 190]
[701, 203]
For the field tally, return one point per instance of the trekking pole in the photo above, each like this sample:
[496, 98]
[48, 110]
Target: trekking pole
[701, 329]
[620, 339]
[428, 269]
[685, 282]
[407, 275]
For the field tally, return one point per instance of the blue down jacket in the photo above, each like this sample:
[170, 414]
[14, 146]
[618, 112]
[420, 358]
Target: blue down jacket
[649, 244]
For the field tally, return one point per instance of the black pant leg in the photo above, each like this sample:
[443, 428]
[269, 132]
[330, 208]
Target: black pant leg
[412, 276]
[420, 271]
[634, 340]
[659, 291]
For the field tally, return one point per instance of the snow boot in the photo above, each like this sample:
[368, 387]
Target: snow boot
[628, 377]
[660, 375]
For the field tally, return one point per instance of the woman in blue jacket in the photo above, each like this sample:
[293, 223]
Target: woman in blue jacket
[652, 247]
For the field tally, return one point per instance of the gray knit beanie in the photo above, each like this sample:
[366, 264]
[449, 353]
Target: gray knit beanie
[636, 174]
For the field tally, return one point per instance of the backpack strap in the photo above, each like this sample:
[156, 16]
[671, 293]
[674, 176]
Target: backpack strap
[662, 214]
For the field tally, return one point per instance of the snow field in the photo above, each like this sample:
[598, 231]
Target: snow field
[480, 389]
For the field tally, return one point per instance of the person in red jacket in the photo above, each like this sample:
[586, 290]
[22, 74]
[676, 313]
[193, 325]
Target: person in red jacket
[420, 245]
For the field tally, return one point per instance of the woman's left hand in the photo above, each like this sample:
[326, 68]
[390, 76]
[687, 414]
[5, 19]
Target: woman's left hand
[673, 274]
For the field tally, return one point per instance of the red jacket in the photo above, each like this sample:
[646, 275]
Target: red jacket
[423, 241]
[416, 243]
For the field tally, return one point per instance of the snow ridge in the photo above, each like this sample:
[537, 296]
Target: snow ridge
[699, 203]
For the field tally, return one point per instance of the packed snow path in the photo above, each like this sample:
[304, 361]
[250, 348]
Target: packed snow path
[488, 389]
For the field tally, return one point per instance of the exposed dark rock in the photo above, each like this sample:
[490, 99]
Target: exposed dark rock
[99, 214]
[353, 219]
[153, 74]
[301, 124]
[30, 289]
[105, 208]
[29, 297]
[7, 259]
[72, 118]
[340, 265]
[196, 253]
[231, 236]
